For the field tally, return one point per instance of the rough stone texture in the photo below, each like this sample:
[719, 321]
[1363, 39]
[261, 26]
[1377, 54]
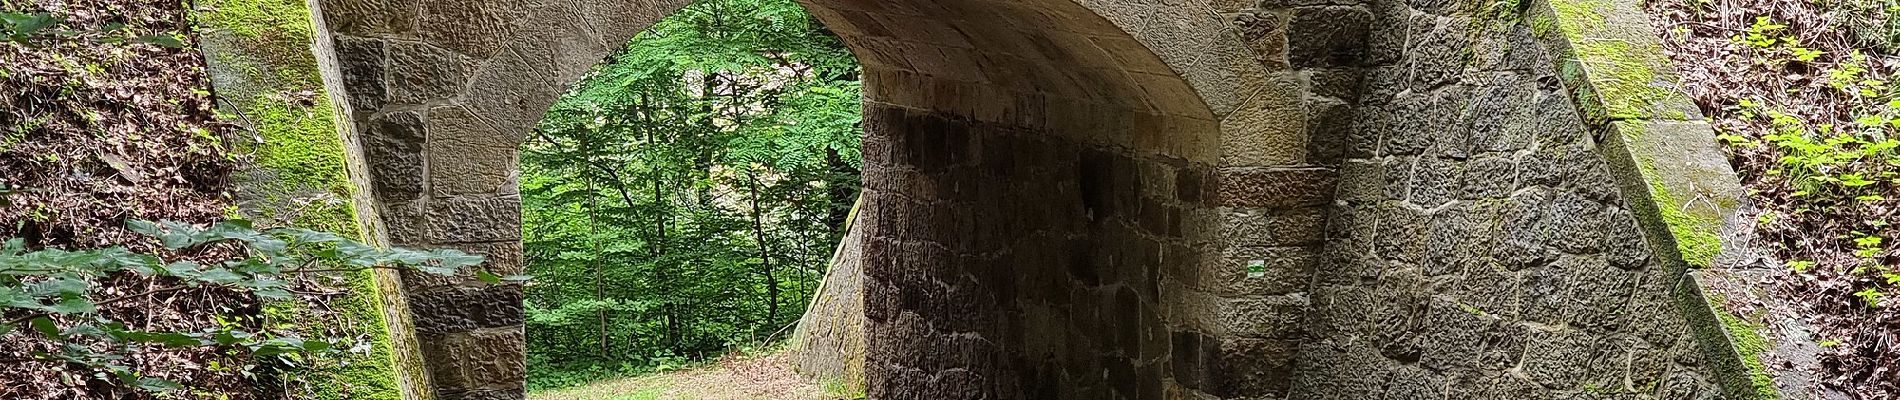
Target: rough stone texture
[1501, 260]
[1116, 199]
[1015, 267]
[828, 345]
[260, 57]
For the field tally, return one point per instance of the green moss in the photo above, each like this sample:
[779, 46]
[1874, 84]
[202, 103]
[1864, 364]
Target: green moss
[1621, 71]
[1696, 240]
[272, 39]
[1697, 237]
[301, 144]
[1750, 344]
[302, 176]
[260, 18]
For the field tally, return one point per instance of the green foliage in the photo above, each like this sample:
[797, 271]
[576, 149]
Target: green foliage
[684, 198]
[28, 29]
[56, 294]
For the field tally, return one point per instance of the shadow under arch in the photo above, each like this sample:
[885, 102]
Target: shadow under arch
[1033, 174]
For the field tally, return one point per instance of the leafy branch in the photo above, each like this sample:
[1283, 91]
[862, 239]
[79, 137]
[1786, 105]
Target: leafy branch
[55, 293]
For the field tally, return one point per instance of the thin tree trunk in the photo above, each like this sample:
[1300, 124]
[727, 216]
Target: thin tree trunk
[765, 254]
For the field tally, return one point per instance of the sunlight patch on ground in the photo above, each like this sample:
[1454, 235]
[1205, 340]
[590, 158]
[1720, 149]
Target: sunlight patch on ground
[733, 378]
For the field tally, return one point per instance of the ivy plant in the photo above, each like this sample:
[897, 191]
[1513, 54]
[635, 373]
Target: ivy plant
[56, 294]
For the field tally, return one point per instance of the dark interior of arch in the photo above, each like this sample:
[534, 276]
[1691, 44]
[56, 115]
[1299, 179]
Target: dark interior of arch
[1026, 176]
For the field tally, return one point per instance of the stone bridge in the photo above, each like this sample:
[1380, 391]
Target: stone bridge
[1138, 199]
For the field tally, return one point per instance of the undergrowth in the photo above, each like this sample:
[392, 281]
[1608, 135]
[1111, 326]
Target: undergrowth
[1802, 93]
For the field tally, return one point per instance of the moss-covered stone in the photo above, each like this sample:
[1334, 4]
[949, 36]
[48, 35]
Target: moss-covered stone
[1694, 189]
[1750, 344]
[1611, 60]
[263, 67]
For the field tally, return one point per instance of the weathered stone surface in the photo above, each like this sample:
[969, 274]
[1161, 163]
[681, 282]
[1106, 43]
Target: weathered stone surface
[420, 72]
[1266, 317]
[369, 17]
[1254, 367]
[476, 28]
[1071, 207]
[361, 62]
[1257, 227]
[474, 219]
[470, 363]
[477, 160]
[1275, 188]
[504, 394]
[451, 309]
[501, 258]
[393, 147]
[1327, 36]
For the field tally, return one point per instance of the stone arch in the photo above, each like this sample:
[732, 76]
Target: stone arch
[1098, 199]
[1044, 212]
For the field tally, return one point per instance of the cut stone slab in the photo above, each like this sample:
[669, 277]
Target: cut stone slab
[1776, 348]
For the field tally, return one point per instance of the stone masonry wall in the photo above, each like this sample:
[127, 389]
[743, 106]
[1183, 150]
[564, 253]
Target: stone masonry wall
[1479, 245]
[1014, 265]
[1187, 199]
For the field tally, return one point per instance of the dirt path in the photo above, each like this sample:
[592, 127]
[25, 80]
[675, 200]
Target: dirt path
[759, 378]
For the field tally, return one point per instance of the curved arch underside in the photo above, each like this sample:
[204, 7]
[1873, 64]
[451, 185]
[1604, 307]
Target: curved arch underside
[1098, 200]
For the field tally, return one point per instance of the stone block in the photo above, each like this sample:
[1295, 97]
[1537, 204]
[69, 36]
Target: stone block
[512, 95]
[1270, 317]
[1254, 367]
[501, 259]
[1361, 181]
[362, 66]
[1404, 233]
[420, 72]
[1599, 292]
[1435, 182]
[1463, 236]
[444, 310]
[1410, 382]
[1276, 188]
[1267, 130]
[392, 147]
[1329, 128]
[1327, 36]
[473, 27]
[494, 394]
[1573, 223]
[1283, 270]
[1559, 359]
[1264, 32]
[467, 156]
[406, 223]
[1436, 54]
[467, 363]
[474, 219]
[1544, 295]
[1270, 228]
[369, 17]
[1488, 177]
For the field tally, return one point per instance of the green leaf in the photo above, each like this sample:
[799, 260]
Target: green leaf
[157, 385]
[46, 327]
[73, 306]
[27, 24]
[220, 276]
[273, 294]
[487, 277]
[163, 39]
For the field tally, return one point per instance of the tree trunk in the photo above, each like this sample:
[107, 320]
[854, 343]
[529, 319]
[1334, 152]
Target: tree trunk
[765, 256]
